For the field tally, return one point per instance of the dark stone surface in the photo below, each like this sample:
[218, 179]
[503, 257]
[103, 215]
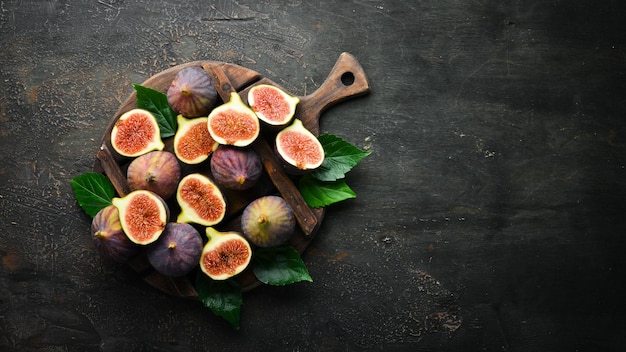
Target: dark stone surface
[489, 216]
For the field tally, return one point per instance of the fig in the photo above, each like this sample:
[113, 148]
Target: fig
[225, 255]
[299, 148]
[272, 105]
[192, 142]
[192, 92]
[109, 238]
[200, 200]
[136, 132]
[143, 215]
[233, 123]
[268, 221]
[157, 171]
[236, 168]
[177, 251]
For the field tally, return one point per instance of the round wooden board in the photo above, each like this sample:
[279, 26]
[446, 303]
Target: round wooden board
[346, 79]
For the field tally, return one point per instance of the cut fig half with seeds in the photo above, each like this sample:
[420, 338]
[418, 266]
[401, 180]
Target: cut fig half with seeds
[136, 132]
[193, 143]
[143, 215]
[225, 255]
[200, 200]
[234, 123]
[272, 105]
[299, 148]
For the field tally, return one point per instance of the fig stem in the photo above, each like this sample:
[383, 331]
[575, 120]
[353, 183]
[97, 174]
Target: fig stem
[150, 177]
[185, 91]
[211, 233]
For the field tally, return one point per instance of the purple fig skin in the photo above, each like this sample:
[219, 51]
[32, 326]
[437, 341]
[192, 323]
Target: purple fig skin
[192, 93]
[236, 168]
[177, 251]
[109, 238]
[268, 221]
[157, 171]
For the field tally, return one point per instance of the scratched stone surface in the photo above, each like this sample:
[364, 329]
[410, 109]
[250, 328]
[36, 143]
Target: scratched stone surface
[489, 215]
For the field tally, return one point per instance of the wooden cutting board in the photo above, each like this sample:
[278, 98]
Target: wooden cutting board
[345, 80]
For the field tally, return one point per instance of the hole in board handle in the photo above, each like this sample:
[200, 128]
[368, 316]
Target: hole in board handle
[347, 78]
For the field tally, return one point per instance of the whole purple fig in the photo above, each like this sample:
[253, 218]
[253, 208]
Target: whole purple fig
[268, 221]
[109, 238]
[236, 168]
[177, 251]
[192, 93]
[158, 172]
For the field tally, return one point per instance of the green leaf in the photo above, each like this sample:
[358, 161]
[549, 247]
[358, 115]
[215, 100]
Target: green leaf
[93, 191]
[279, 266]
[222, 297]
[156, 102]
[339, 158]
[319, 194]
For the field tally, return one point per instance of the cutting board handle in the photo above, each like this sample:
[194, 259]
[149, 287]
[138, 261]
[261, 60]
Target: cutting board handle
[347, 79]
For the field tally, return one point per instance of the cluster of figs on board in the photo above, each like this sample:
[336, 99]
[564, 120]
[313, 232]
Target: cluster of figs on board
[219, 135]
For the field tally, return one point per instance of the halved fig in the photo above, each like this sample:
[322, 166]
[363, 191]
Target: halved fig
[143, 215]
[233, 123]
[109, 238]
[236, 168]
[192, 142]
[200, 200]
[225, 255]
[136, 132]
[268, 221]
[272, 105]
[192, 92]
[299, 148]
[157, 171]
[177, 250]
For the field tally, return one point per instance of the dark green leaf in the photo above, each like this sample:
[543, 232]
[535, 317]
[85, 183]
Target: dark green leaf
[319, 194]
[93, 191]
[339, 158]
[156, 102]
[279, 266]
[222, 297]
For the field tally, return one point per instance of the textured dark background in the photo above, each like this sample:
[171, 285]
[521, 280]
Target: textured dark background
[490, 214]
